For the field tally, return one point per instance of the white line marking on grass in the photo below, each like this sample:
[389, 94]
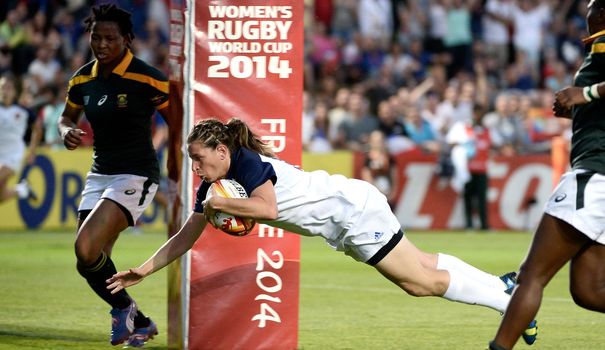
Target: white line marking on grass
[395, 290]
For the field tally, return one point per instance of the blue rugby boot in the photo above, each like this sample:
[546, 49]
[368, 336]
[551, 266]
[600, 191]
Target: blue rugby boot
[509, 279]
[140, 336]
[122, 323]
[531, 333]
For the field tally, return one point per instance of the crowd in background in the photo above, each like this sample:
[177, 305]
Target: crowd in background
[407, 68]
[414, 68]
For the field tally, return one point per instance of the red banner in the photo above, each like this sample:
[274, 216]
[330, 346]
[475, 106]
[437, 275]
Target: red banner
[518, 190]
[248, 64]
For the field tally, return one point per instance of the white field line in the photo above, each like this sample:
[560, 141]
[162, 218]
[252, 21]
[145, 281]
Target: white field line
[393, 290]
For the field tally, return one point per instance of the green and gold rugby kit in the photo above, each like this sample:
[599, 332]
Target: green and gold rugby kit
[588, 140]
[120, 110]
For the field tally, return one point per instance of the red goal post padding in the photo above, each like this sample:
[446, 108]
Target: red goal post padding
[243, 59]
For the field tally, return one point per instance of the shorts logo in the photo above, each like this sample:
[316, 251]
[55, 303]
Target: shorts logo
[122, 100]
[102, 100]
[560, 197]
[130, 192]
[377, 235]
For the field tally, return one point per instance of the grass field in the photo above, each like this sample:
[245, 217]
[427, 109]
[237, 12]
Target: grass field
[344, 305]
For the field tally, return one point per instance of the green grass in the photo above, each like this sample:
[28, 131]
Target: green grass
[344, 304]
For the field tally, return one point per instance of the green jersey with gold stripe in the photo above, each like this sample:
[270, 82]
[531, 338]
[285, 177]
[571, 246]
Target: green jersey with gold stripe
[588, 140]
[120, 110]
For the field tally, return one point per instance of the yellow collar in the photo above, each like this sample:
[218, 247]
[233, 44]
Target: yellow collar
[120, 69]
[593, 37]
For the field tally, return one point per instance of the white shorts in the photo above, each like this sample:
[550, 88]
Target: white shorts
[579, 199]
[12, 157]
[374, 234]
[131, 192]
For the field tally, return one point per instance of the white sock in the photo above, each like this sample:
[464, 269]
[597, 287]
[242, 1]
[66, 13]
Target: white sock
[449, 263]
[466, 290]
[22, 190]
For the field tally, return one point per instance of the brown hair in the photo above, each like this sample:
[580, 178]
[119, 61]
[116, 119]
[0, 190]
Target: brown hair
[234, 134]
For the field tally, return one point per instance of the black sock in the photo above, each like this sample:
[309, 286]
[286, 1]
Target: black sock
[140, 321]
[96, 275]
[494, 346]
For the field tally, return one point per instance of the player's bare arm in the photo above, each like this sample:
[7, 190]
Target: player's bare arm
[176, 246]
[71, 135]
[261, 205]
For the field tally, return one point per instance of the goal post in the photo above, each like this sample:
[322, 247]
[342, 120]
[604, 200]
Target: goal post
[237, 58]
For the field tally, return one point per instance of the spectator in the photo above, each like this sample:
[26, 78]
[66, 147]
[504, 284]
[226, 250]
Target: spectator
[458, 38]
[6, 60]
[375, 19]
[379, 167]
[437, 27]
[14, 37]
[460, 145]
[395, 134]
[400, 65]
[49, 116]
[36, 29]
[307, 117]
[452, 109]
[355, 129]
[338, 113]
[344, 19]
[323, 53]
[475, 190]
[558, 76]
[420, 130]
[372, 57]
[505, 125]
[45, 68]
[411, 21]
[530, 20]
[497, 27]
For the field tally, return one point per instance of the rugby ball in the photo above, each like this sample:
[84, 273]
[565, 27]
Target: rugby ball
[230, 224]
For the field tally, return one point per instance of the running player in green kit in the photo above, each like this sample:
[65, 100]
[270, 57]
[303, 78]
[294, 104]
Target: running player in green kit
[572, 228]
[119, 94]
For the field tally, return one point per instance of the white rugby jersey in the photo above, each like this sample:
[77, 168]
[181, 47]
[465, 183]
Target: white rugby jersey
[308, 203]
[13, 124]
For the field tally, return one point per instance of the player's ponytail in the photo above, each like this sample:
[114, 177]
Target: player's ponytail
[234, 134]
[244, 137]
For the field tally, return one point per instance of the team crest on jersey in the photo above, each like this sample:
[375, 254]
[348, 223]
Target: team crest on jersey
[122, 100]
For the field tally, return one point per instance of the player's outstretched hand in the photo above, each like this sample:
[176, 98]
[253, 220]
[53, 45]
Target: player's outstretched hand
[124, 279]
